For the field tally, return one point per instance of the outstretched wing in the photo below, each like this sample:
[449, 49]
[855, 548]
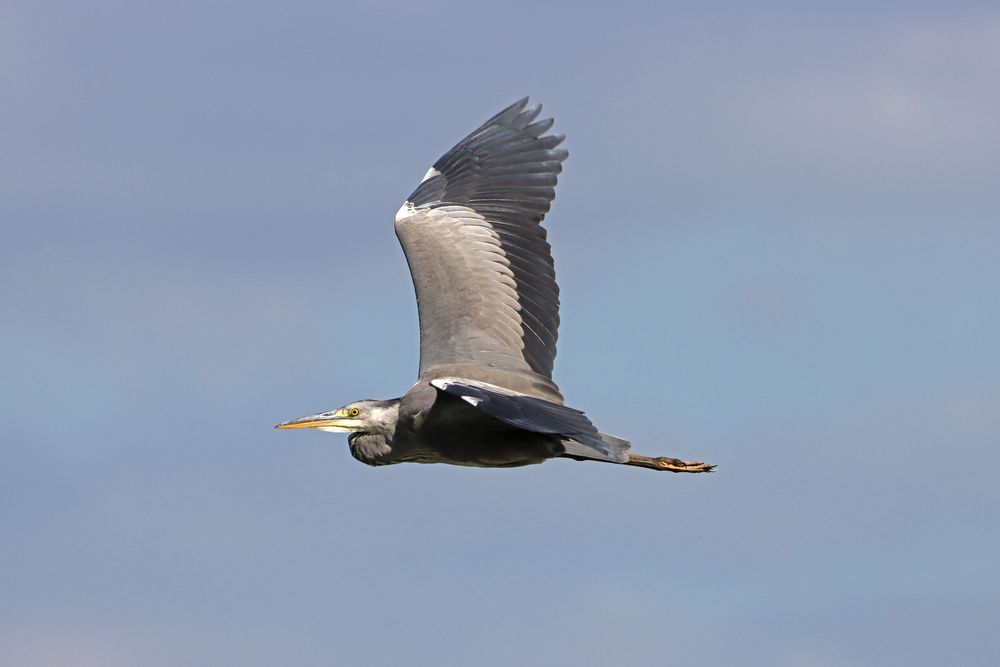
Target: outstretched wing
[577, 434]
[481, 266]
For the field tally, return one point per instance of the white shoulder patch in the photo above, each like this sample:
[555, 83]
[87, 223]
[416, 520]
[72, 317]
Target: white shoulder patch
[444, 383]
[431, 173]
[405, 211]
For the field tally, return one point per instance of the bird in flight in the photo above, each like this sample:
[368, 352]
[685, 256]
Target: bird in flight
[489, 314]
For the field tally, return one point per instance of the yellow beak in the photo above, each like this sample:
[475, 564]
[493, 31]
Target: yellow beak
[327, 421]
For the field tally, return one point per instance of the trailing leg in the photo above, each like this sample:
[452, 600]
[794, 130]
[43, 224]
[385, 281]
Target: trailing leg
[667, 463]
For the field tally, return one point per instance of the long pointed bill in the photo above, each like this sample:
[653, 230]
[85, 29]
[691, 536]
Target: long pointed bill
[326, 421]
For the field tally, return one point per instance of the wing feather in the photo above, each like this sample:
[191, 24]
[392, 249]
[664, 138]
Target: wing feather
[480, 261]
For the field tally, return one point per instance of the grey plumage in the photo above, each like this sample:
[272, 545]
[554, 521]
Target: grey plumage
[488, 306]
[496, 304]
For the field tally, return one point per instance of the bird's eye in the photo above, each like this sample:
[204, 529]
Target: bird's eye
[355, 412]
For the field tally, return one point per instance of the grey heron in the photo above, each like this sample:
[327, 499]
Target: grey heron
[488, 307]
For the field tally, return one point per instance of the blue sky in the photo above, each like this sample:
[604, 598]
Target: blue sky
[778, 244]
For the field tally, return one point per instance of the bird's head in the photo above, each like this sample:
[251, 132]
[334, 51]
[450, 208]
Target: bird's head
[367, 416]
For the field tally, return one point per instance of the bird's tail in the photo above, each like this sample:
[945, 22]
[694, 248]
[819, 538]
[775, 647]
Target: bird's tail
[617, 450]
[617, 446]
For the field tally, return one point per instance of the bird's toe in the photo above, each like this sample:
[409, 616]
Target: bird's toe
[677, 465]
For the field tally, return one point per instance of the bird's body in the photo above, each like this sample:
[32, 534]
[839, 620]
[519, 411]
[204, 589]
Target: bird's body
[440, 428]
[489, 314]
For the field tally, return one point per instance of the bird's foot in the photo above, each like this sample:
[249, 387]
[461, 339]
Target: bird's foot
[667, 463]
[676, 465]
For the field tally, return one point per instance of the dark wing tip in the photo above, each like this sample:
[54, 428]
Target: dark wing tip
[528, 115]
[510, 137]
[521, 103]
[539, 128]
[520, 116]
[508, 114]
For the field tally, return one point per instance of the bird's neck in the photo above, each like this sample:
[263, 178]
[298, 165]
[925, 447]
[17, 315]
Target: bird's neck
[371, 448]
[382, 420]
